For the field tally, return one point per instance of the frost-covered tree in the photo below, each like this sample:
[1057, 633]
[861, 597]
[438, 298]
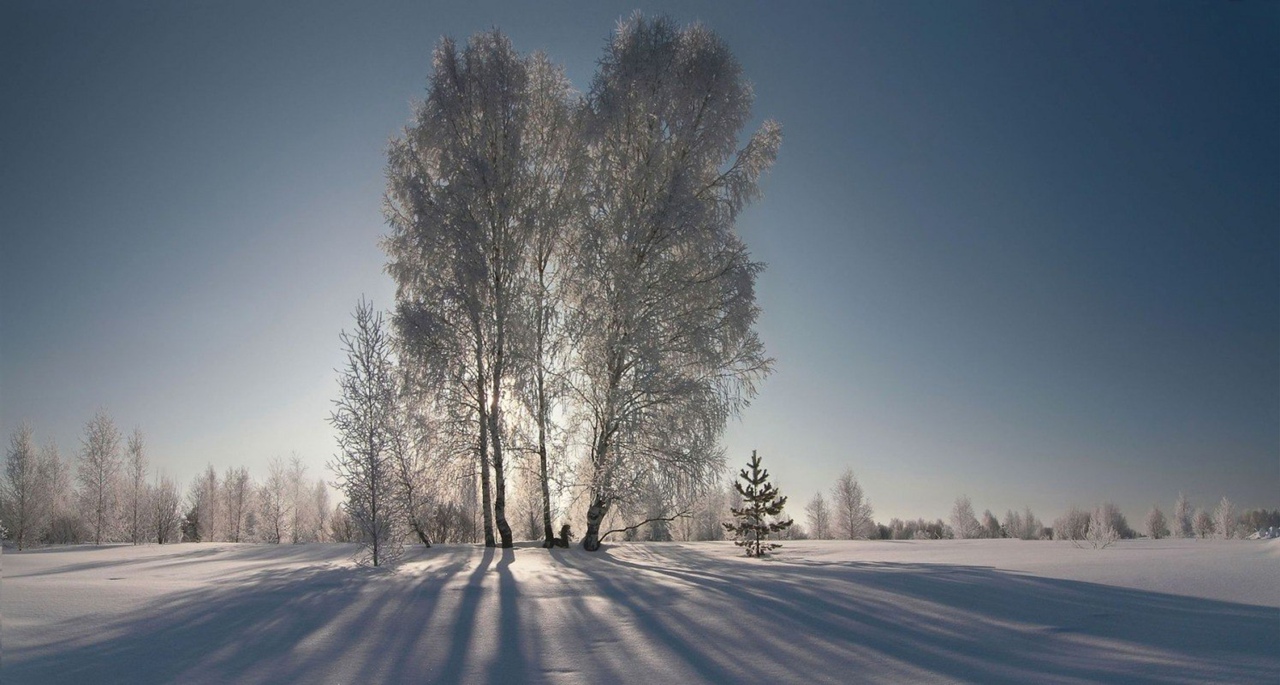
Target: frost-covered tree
[98, 474]
[1072, 525]
[990, 525]
[852, 510]
[273, 502]
[320, 505]
[661, 287]
[165, 515]
[204, 498]
[1182, 517]
[1116, 519]
[21, 492]
[1224, 519]
[1101, 533]
[1203, 523]
[364, 416]
[237, 495]
[1157, 527]
[136, 509]
[63, 524]
[553, 208]
[819, 517]
[1025, 525]
[299, 499]
[963, 523]
[760, 514]
[468, 189]
[340, 527]
[408, 441]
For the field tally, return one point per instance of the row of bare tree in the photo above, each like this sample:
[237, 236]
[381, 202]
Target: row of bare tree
[115, 496]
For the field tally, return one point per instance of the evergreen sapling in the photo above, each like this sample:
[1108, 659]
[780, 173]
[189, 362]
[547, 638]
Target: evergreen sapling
[760, 499]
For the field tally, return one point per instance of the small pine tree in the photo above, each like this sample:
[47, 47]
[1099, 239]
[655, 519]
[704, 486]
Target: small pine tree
[760, 499]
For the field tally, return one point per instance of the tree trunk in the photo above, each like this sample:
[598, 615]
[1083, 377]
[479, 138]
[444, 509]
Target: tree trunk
[546, 492]
[421, 533]
[486, 502]
[500, 481]
[495, 410]
[595, 516]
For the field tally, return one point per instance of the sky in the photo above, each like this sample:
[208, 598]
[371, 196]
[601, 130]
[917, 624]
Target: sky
[1027, 252]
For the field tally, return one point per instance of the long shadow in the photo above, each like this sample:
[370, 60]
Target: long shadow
[956, 622]
[281, 626]
[511, 663]
[465, 623]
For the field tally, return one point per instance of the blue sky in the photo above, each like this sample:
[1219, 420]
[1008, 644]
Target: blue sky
[1024, 251]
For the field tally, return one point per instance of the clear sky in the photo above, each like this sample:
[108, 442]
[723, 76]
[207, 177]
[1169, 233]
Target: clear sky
[1024, 251]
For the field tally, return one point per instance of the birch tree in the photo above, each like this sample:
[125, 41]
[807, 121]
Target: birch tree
[1224, 519]
[663, 290]
[963, 522]
[237, 490]
[21, 491]
[136, 487]
[852, 510]
[363, 416]
[273, 499]
[819, 517]
[62, 522]
[409, 434]
[299, 499]
[165, 514]
[1182, 517]
[98, 473]
[463, 198]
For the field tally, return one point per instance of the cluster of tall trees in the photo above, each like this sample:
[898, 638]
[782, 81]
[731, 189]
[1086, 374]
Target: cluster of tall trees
[573, 305]
[109, 493]
[964, 524]
[287, 507]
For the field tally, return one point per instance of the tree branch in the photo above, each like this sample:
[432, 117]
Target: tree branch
[683, 514]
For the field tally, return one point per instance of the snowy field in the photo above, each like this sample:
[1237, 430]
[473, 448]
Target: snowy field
[987, 611]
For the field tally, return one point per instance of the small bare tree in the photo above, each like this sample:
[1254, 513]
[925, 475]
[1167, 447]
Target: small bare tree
[819, 517]
[165, 514]
[136, 471]
[237, 492]
[852, 510]
[274, 500]
[364, 417]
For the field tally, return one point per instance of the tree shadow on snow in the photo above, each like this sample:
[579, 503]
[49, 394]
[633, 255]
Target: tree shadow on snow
[660, 613]
[307, 625]
[866, 622]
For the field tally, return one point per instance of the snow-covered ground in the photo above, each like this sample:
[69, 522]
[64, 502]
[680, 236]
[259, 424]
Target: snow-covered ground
[988, 611]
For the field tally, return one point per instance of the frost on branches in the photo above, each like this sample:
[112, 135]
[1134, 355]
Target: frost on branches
[663, 289]
[364, 420]
[761, 506]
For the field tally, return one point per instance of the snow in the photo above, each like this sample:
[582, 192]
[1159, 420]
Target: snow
[990, 611]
